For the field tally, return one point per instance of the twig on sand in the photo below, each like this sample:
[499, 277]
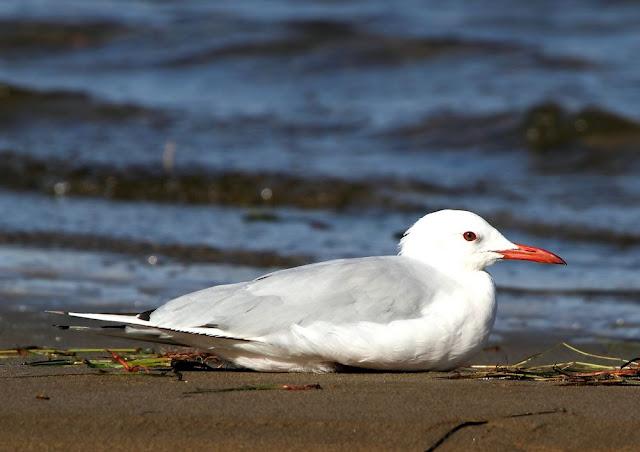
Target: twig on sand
[474, 423]
[125, 365]
[576, 372]
[459, 426]
[131, 360]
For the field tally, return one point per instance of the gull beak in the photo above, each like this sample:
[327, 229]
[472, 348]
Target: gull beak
[531, 253]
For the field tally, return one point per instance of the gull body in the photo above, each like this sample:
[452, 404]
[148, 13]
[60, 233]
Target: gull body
[431, 307]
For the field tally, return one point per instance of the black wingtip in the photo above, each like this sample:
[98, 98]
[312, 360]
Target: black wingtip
[146, 315]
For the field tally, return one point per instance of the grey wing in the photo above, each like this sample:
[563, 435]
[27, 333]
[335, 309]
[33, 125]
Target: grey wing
[376, 289]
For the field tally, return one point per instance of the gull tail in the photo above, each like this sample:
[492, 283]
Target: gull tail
[126, 332]
[135, 327]
[138, 327]
[141, 319]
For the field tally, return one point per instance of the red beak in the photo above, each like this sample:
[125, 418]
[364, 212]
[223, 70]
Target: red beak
[531, 253]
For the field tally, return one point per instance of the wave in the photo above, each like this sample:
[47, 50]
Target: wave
[179, 252]
[264, 189]
[579, 232]
[548, 126]
[41, 36]
[542, 128]
[582, 293]
[197, 186]
[336, 44]
[22, 104]
[456, 130]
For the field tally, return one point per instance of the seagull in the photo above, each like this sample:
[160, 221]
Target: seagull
[430, 307]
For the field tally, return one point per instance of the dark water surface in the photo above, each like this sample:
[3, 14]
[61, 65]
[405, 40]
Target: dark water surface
[150, 148]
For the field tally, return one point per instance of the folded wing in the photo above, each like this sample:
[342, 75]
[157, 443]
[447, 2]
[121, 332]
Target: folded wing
[373, 289]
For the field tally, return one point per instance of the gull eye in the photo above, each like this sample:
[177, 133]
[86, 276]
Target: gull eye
[469, 236]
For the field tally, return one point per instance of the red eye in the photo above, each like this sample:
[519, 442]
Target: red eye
[469, 236]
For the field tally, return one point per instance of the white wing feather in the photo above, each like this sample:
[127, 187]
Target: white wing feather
[372, 289]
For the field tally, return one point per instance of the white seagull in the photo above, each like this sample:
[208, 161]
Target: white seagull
[431, 307]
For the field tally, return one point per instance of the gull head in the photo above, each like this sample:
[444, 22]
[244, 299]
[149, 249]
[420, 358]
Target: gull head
[462, 240]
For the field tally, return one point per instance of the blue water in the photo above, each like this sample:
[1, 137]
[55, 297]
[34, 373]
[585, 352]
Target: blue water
[423, 101]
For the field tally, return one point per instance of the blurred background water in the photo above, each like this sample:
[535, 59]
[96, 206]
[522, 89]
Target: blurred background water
[150, 148]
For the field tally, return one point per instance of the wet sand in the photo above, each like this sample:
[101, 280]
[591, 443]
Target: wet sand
[77, 408]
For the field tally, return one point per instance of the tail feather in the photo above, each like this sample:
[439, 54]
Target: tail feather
[120, 318]
[200, 337]
[127, 332]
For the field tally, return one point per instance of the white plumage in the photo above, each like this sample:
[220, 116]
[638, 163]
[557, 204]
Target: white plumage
[431, 307]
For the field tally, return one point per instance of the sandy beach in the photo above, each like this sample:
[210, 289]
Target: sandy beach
[77, 408]
[71, 409]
